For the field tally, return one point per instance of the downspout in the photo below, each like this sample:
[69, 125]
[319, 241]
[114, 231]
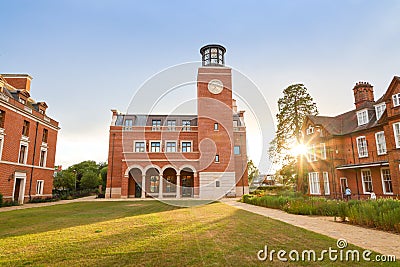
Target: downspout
[354, 161]
[33, 160]
[112, 163]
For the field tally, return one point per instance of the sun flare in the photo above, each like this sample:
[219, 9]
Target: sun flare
[300, 149]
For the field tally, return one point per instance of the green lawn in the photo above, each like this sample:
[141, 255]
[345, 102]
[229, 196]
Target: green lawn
[148, 233]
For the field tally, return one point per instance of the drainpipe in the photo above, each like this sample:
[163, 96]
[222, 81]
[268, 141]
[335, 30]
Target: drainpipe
[355, 170]
[33, 160]
[112, 163]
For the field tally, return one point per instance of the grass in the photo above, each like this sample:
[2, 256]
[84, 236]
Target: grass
[148, 233]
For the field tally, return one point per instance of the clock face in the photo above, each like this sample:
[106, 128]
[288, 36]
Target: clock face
[215, 86]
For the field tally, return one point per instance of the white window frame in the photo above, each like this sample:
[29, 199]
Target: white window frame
[396, 133]
[191, 146]
[172, 127]
[39, 187]
[379, 110]
[23, 143]
[362, 117]
[186, 127]
[151, 147]
[380, 147]
[325, 177]
[216, 160]
[363, 180]
[310, 130]
[314, 183]
[323, 150]
[361, 153]
[234, 150]
[139, 141]
[166, 146]
[45, 157]
[2, 145]
[157, 127]
[312, 156]
[383, 181]
[396, 100]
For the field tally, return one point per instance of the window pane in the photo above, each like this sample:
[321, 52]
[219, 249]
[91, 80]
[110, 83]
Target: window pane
[236, 150]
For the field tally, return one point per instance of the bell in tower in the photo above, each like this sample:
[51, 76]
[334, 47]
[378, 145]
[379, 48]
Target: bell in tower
[213, 55]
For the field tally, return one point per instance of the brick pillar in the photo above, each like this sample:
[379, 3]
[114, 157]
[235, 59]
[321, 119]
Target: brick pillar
[178, 186]
[144, 186]
[196, 184]
[124, 186]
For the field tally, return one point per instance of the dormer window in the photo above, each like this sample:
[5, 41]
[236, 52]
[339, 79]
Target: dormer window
[362, 117]
[396, 100]
[310, 130]
[22, 101]
[379, 109]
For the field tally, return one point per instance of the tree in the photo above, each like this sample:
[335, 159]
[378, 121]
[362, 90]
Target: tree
[252, 171]
[294, 106]
[64, 180]
[103, 176]
[90, 180]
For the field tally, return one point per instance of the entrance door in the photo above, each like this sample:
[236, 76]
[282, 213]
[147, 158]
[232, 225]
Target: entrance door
[187, 186]
[19, 187]
[343, 185]
[138, 190]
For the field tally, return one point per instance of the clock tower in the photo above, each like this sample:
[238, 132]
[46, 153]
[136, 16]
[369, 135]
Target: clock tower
[215, 124]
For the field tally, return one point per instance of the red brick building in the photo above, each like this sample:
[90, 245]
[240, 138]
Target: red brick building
[176, 156]
[27, 141]
[359, 149]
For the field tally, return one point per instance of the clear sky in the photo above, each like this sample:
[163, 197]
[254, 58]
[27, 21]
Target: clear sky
[87, 57]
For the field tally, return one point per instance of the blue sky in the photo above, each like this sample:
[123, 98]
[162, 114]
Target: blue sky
[87, 57]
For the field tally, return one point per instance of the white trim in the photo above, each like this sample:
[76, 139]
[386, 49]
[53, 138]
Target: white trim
[327, 189]
[40, 191]
[23, 143]
[188, 166]
[45, 156]
[396, 100]
[377, 108]
[155, 141]
[1, 145]
[148, 167]
[323, 150]
[171, 141]
[363, 181]
[363, 166]
[383, 184]
[313, 180]
[139, 141]
[361, 119]
[358, 147]
[25, 165]
[130, 167]
[22, 176]
[396, 136]
[191, 146]
[171, 167]
[27, 115]
[377, 144]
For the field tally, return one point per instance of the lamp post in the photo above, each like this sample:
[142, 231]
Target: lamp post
[74, 171]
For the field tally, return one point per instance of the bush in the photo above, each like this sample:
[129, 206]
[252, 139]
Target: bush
[1, 200]
[43, 200]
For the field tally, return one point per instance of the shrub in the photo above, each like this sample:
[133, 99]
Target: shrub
[1, 200]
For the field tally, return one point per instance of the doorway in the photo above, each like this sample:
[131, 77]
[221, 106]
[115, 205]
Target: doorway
[19, 187]
[138, 190]
[343, 185]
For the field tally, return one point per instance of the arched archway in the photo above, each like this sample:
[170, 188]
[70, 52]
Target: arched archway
[169, 185]
[135, 183]
[153, 181]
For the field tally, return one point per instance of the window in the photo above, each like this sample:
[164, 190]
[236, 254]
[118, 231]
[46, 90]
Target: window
[217, 183]
[170, 185]
[326, 183]
[362, 147]
[1, 145]
[396, 130]
[25, 128]
[43, 157]
[386, 181]
[171, 146]
[39, 187]
[366, 181]
[396, 100]
[45, 135]
[186, 125]
[313, 180]
[2, 117]
[216, 126]
[155, 147]
[186, 147]
[154, 183]
[380, 143]
[216, 158]
[171, 125]
[362, 117]
[22, 101]
[311, 153]
[379, 109]
[128, 124]
[156, 125]
[140, 147]
[310, 130]
[236, 150]
[23, 151]
[323, 150]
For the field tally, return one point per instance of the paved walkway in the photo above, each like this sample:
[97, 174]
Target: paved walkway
[379, 241]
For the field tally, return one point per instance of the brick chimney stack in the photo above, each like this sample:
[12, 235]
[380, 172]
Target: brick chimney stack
[363, 93]
[19, 81]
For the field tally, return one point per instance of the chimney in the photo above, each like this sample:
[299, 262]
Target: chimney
[363, 93]
[234, 106]
[19, 81]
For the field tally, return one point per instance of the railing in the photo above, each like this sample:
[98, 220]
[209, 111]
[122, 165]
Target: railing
[161, 128]
[349, 158]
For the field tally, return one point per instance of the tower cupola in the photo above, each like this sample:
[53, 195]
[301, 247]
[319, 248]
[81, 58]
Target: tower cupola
[213, 55]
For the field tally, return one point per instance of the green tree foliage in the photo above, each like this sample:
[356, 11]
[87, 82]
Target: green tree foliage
[103, 176]
[252, 171]
[64, 180]
[294, 106]
[90, 180]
